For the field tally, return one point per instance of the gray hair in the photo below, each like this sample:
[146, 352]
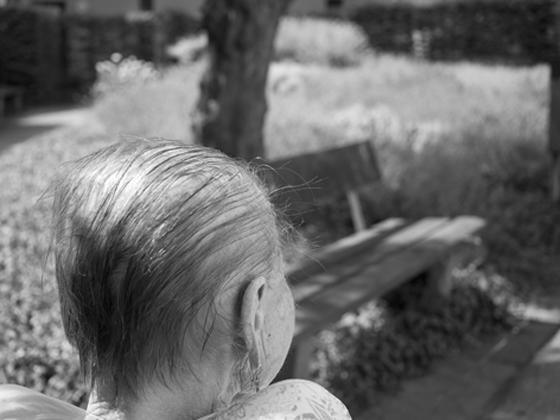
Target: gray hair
[147, 232]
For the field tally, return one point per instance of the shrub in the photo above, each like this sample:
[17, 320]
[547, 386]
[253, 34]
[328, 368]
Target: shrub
[506, 31]
[388, 341]
[118, 73]
[321, 41]
[157, 107]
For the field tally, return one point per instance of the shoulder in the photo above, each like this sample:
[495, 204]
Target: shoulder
[308, 400]
[20, 403]
[287, 400]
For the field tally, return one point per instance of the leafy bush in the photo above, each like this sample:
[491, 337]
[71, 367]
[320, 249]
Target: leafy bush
[157, 107]
[321, 41]
[397, 338]
[514, 30]
[118, 73]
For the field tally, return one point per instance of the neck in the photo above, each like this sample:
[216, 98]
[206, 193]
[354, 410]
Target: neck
[190, 402]
[99, 407]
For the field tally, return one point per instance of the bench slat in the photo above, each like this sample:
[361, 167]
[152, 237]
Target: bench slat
[379, 276]
[333, 272]
[316, 261]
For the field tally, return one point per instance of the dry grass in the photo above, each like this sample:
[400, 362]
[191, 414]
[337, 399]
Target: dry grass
[451, 138]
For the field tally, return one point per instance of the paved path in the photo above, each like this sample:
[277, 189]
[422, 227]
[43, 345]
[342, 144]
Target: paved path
[40, 121]
[496, 380]
[535, 394]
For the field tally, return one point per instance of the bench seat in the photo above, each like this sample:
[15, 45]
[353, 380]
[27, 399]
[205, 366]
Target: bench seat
[344, 275]
[370, 263]
[371, 272]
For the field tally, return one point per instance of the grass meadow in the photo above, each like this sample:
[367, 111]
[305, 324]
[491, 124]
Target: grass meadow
[451, 138]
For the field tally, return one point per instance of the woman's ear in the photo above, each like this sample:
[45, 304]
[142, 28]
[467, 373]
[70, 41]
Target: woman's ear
[252, 320]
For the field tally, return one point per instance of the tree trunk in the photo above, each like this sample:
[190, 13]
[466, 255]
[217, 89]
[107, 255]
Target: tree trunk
[231, 109]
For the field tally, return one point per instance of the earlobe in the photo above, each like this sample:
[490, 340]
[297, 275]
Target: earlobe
[252, 320]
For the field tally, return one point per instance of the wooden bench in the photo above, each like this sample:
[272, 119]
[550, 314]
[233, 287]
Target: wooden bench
[11, 97]
[344, 275]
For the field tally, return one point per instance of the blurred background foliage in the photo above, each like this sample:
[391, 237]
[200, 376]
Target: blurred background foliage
[55, 56]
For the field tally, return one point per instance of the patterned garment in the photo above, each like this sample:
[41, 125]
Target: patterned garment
[293, 399]
[288, 400]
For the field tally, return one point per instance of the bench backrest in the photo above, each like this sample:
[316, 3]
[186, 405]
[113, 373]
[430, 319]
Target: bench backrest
[317, 177]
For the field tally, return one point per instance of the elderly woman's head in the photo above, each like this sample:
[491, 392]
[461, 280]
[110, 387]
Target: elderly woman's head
[169, 266]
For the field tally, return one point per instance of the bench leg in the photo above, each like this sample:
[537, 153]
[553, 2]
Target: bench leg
[471, 252]
[439, 284]
[297, 363]
[356, 211]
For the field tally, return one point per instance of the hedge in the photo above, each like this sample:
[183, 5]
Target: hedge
[507, 30]
[54, 57]
[30, 52]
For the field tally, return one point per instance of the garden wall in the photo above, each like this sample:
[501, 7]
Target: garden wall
[501, 30]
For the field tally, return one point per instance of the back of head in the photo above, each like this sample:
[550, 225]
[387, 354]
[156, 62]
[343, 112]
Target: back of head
[148, 232]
